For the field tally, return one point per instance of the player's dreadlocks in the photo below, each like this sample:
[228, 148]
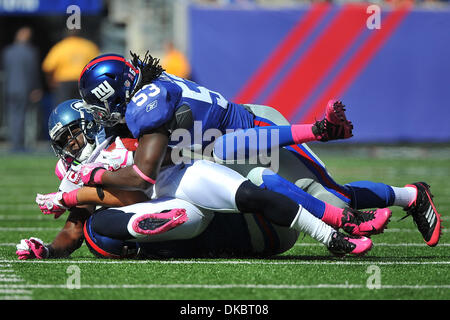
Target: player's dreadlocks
[150, 70]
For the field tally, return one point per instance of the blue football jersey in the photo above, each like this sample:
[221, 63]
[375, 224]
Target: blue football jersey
[177, 103]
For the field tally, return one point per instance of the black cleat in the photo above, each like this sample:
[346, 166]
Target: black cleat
[424, 214]
[334, 125]
[340, 245]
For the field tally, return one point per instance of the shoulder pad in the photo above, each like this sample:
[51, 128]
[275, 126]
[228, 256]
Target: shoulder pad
[151, 107]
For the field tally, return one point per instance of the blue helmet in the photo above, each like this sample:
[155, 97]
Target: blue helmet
[105, 84]
[66, 123]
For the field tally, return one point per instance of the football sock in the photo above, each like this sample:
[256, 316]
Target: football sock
[246, 143]
[265, 178]
[405, 196]
[309, 224]
[302, 133]
[368, 194]
[332, 216]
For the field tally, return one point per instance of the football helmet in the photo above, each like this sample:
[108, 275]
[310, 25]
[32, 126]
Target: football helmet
[105, 84]
[66, 123]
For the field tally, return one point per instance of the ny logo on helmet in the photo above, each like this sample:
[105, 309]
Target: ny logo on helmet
[103, 91]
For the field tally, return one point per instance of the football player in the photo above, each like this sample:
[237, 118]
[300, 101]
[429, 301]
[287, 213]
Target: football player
[72, 131]
[74, 136]
[154, 104]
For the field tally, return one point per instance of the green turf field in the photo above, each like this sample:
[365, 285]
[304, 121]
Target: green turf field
[405, 267]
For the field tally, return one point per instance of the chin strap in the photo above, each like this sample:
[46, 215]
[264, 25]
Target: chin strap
[87, 151]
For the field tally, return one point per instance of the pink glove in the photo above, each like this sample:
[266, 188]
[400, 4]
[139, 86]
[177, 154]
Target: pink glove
[91, 173]
[51, 203]
[31, 249]
[118, 158]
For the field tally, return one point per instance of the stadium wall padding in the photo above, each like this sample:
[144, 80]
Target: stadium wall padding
[395, 80]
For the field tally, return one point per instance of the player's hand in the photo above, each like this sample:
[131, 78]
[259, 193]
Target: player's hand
[32, 248]
[91, 173]
[117, 158]
[51, 203]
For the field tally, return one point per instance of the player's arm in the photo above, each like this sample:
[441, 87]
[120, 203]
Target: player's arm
[70, 238]
[108, 197]
[140, 176]
[66, 241]
[57, 203]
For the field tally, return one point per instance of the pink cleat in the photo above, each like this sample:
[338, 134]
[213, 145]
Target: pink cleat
[334, 125]
[340, 245]
[365, 223]
[155, 223]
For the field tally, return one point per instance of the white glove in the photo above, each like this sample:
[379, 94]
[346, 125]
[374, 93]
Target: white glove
[51, 203]
[118, 158]
[32, 248]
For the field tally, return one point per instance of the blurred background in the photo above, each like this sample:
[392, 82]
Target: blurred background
[388, 61]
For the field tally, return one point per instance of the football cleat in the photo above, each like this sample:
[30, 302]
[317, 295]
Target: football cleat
[341, 244]
[156, 223]
[424, 214]
[365, 223]
[334, 125]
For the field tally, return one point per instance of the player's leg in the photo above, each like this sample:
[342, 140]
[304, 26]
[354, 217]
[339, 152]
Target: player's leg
[297, 163]
[416, 199]
[242, 144]
[352, 221]
[212, 186]
[107, 247]
[157, 220]
[283, 211]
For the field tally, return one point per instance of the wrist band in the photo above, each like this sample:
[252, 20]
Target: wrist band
[143, 176]
[70, 198]
[98, 175]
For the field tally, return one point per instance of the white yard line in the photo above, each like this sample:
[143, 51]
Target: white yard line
[12, 244]
[389, 230]
[230, 262]
[28, 229]
[40, 216]
[7, 276]
[375, 245]
[20, 217]
[18, 206]
[221, 286]
[392, 230]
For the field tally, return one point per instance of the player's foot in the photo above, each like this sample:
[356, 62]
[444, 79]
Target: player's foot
[155, 223]
[334, 125]
[340, 245]
[365, 223]
[424, 214]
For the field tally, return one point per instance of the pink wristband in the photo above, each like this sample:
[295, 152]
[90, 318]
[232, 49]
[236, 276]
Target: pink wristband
[98, 176]
[70, 198]
[142, 175]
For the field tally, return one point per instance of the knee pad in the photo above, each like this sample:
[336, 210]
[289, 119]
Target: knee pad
[256, 175]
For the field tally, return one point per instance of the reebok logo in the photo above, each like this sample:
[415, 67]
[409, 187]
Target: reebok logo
[151, 106]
